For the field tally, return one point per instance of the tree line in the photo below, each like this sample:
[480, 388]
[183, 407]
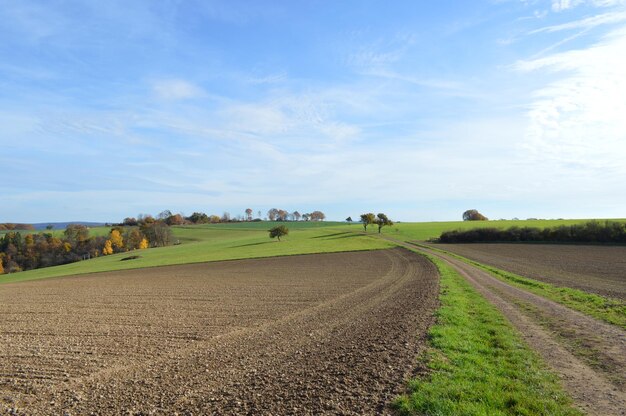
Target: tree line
[589, 232]
[273, 214]
[34, 250]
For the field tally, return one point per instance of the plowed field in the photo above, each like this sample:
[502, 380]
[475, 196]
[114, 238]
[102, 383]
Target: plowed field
[333, 333]
[596, 269]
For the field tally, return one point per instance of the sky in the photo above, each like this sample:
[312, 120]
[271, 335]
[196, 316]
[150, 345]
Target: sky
[419, 109]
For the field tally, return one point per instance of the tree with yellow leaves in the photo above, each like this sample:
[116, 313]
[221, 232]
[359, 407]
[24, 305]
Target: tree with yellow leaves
[1, 267]
[108, 248]
[116, 239]
[143, 244]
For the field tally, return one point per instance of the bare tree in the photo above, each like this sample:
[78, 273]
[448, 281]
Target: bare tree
[248, 214]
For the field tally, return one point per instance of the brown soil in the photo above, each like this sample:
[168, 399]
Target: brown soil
[596, 269]
[588, 355]
[333, 333]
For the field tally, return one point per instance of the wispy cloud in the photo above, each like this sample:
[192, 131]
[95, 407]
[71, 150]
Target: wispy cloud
[176, 89]
[586, 23]
[578, 119]
[562, 5]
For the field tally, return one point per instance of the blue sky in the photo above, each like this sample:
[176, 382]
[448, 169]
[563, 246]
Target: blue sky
[420, 109]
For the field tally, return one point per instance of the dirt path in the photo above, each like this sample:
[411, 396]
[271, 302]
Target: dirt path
[349, 353]
[588, 355]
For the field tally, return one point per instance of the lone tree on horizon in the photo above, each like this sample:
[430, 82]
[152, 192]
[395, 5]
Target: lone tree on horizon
[474, 215]
[278, 231]
[367, 219]
[349, 220]
[382, 221]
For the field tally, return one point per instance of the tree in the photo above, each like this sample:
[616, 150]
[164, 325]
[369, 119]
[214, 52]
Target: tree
[278, 231]
[116, 239]
[76, 233]
[296, 215]
[164, 214]
[367, 219]
[248, 214]
[282, 215]
[1, 266]
[306, 217]
[349, 220]
[473, 215]
[143, 244]
[317, 216]
[108, 248]
[175, 219]
[382, 221]
[272, 214]
[198, 218]
[130, 221]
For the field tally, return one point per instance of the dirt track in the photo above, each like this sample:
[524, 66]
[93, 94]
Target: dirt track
[588, 355]
[335, 333]
[596, 269]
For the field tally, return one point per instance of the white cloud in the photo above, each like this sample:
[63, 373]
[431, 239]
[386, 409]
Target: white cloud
[587, 23]
[176, 89]
[561, 5]
[578, 119]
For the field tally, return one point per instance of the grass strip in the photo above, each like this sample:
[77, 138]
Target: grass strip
[606, 309]
[478, 363]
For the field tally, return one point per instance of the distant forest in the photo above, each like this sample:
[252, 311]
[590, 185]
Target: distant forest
[589, 232]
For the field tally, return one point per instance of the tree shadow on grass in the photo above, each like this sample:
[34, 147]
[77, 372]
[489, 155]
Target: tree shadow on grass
[332, 235]
[254, 244]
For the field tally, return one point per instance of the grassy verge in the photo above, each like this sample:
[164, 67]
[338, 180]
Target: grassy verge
[609, 310]
[478, 363]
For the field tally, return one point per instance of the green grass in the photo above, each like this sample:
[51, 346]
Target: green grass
[218, 242]
[423, 231]
[600, 307]
[478, 363]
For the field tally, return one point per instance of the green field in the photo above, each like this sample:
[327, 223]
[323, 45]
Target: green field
[204, 243]
[422, 231]
[230, 241]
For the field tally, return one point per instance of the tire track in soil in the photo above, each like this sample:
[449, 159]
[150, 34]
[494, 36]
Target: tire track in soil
[350, 355]
[561, 336]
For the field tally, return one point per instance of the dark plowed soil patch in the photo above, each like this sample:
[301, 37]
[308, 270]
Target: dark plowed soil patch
[596, 269]
[334, 333]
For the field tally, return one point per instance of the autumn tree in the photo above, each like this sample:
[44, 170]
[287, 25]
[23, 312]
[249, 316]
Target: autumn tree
[248, 214]
[367, 219]
[1, 266]
[382, 221]
[108, 248]
[115, 237]
[473, 215]
[272, 214]
[282, 215]
[175, 219]
[278, 231]
[317, 216]
[76, 233]
[133, 238]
